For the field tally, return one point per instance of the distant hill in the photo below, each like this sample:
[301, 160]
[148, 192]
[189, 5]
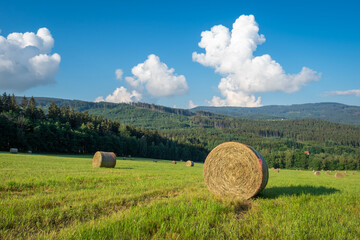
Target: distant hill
[334, 112]
[155, 116]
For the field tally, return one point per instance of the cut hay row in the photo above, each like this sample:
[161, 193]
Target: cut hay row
[104, 159]
[236, 170]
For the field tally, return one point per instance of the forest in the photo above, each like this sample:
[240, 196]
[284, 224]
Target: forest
[62, 130]
[148, 130]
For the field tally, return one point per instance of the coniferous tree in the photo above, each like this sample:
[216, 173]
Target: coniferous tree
[24, 103]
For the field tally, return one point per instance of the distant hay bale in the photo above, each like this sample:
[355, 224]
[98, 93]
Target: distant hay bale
[173, 162]
[327, 172]
[345, 172]
[13, 150]
[352, 173]
[189, 163]
[277, 170]
[339, 175]
[155, 161]
[29, 152]
[317, 173]
[235, 170]
[104, 159]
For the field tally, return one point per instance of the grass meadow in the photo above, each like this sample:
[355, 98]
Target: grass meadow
[63, 197]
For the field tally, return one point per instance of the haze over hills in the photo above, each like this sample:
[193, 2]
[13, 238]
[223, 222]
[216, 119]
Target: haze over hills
[334, 112]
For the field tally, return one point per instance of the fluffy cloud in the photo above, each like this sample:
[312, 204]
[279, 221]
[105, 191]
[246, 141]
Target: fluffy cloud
[120, 95]
[191, 104]
[26, 60]
[119, 74]
[352, 92]
[231, 55]
[152, 79]
[157, 78]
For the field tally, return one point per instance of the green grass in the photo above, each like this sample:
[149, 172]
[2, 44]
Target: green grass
[63, 197]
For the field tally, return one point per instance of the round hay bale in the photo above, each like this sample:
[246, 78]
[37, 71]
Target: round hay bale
[29, 152]
[235, 170]
[173, 162]
[14, 150]
[104, 159]
[189, 163]
[352, 173]
[339, 175]
[328, 173]
[277, 170]
[317, 173]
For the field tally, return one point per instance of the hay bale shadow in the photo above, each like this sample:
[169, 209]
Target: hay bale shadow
[275, 192]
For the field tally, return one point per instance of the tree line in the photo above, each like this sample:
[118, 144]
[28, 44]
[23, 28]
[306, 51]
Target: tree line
[62, 130]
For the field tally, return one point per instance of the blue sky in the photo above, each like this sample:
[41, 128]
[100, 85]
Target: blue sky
[94, 39]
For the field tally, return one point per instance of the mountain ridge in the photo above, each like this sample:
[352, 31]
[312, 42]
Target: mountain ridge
[329, 111]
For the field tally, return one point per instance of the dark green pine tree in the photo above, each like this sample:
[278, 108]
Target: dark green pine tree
[24, 103]
[53, 112]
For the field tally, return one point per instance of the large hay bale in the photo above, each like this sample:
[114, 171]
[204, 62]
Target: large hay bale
[189, 163]
[104, 159]
[235, 170]
[317, 173]
[14, 150]
[339, 175]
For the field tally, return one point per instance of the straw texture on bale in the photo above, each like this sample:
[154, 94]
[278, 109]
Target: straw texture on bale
[339, 175]
[316, 173]
[13, 150]
[235, 170]
[189, 163]
[104, 159]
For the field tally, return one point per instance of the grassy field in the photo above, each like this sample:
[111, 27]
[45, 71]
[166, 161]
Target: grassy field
[63, 197]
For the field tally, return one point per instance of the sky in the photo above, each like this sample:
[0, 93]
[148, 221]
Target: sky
[182, 54]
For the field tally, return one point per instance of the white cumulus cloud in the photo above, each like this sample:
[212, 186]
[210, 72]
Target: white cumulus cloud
[230, 53]
[157, 79]
[152, 79]
[192, 104]
[119, 74]
[352, 92]
[26, 60]
[120, 95]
